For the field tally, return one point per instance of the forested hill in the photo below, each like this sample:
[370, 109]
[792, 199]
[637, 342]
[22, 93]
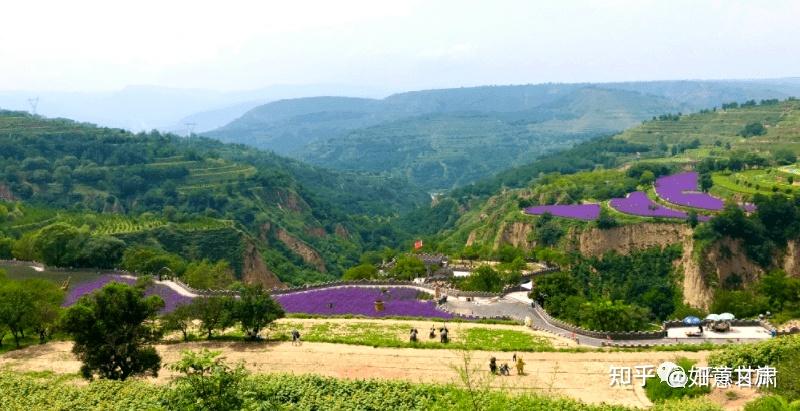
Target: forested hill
[743, 148]
[442, 139]
[190, 196]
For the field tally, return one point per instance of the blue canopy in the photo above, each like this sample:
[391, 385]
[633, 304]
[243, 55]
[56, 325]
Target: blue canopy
[690, 320]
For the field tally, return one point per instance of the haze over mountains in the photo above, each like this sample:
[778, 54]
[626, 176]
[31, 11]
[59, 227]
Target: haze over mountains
[142, 107]
[440, 139]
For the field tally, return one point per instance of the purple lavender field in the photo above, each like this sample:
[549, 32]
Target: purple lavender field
[579, 211]
[171, 298]
[398, 301]
[637, 203]
[681, 189]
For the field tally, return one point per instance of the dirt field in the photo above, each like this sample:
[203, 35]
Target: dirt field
[582, 376]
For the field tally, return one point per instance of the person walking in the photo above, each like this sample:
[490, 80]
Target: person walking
[493, 365]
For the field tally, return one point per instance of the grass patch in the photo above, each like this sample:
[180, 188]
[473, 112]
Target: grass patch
[375, 334]
[658, 391]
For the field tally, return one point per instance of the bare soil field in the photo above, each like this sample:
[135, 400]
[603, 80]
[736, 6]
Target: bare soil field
[584, 376]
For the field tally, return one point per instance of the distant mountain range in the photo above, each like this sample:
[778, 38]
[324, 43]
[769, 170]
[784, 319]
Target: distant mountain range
[139, 108]
[445, 138]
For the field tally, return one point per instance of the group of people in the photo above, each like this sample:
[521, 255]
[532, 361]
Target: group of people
[443, 334]
[505, 369]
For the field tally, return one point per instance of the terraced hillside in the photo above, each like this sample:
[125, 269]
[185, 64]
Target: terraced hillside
[596, 171]
[780, 119]
[283, 217]
[448, 138]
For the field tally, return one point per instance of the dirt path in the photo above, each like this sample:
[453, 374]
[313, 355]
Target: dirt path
[584, 376]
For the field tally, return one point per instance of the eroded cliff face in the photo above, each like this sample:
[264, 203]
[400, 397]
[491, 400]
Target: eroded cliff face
[791, 261]
[627, 238]
[255, 270]
[516, 234]
[308, 254]
[704, 273]
[701, 274]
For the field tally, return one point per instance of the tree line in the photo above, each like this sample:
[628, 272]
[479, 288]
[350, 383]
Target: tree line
[114, 327]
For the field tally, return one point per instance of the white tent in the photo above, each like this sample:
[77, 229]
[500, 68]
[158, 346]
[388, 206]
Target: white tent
[528, 285]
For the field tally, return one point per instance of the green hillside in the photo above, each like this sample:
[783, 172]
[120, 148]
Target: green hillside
[713, 142]
[441, 139]
[170, 192]
[442, 151]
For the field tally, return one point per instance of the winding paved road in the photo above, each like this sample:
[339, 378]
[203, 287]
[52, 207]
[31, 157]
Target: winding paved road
[518, 306]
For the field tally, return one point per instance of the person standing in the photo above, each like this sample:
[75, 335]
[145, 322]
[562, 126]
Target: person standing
[520, 366]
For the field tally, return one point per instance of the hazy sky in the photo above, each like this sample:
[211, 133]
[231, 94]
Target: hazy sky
[394, 44]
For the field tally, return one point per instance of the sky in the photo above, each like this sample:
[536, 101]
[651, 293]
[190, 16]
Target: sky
[100, 45]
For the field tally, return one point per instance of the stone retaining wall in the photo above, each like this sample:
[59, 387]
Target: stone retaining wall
[613, 335]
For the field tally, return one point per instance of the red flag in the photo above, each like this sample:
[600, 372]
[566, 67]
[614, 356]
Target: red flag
[418, 244]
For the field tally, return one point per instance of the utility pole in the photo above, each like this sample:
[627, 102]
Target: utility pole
[34, 102]
[189, 128]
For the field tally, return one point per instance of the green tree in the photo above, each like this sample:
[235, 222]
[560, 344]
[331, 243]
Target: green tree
[784, 156]
[58, 244]
[6, 248]
[44, 316]
[753, 129]
[149, 260]
[552, 286]
[742, 303]
[605, 220]
[779, 288]
[613, 316]
[647, 178]
[179, 319]
[706, 182]
[207, 383]
[16, 307]
[407, 267]
[215, 312]
[24, 248]
[693, 221]
[101, 252]
[255, 309]
[112, 329]
[360, 272]
[547, 231]
[485, 278]
[205, 275]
